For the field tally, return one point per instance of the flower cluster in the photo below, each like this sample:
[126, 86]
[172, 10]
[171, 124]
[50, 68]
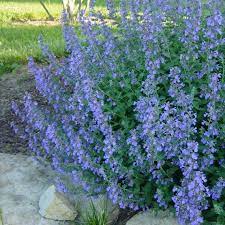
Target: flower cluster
[217, 189]
[136, 108]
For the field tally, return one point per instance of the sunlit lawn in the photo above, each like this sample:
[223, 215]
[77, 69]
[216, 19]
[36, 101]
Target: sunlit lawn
[22, 10]
[21, 22]
[27, 10]
[17, 42]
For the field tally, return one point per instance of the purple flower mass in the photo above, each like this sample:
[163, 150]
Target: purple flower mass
[137, 111]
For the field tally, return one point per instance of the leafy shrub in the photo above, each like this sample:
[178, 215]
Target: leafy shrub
[136, 109]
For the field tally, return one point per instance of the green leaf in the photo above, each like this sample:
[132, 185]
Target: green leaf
[218, 208]
[221, 220]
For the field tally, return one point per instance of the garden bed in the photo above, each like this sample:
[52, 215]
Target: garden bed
[12, 87]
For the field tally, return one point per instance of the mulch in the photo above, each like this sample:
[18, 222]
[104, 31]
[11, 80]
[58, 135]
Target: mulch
[12, 88]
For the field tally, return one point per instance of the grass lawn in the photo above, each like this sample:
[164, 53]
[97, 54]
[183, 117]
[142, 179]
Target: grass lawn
[23, 10]
[27, 10]
[18, 42]
[21, 22]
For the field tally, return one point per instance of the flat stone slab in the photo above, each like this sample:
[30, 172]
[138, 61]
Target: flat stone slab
[153, 218]
[22, 181]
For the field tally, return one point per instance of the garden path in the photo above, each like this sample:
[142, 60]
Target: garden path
[22, 181]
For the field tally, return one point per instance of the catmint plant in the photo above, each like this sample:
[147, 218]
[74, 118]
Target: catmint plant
[135, 109]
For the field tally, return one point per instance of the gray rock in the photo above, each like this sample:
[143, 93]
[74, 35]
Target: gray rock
[22, 181]
[153, 218]
[54, 205]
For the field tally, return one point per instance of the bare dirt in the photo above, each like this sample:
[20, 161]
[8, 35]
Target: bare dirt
[12, 88]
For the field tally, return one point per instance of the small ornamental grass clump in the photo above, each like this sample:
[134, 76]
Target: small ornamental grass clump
[137, 109]
[95, 216]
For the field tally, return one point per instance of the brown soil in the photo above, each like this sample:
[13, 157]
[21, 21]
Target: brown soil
[124, 216]
[12, 87]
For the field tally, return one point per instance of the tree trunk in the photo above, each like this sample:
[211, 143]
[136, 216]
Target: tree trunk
[69, 6]
[46, 10]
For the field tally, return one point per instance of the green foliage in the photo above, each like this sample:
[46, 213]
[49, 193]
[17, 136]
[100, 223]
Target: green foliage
[123, 91]
[216, 213]
[0, 215]
[94, 216]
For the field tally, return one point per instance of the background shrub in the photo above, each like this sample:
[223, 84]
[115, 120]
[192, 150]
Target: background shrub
[136, 109]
